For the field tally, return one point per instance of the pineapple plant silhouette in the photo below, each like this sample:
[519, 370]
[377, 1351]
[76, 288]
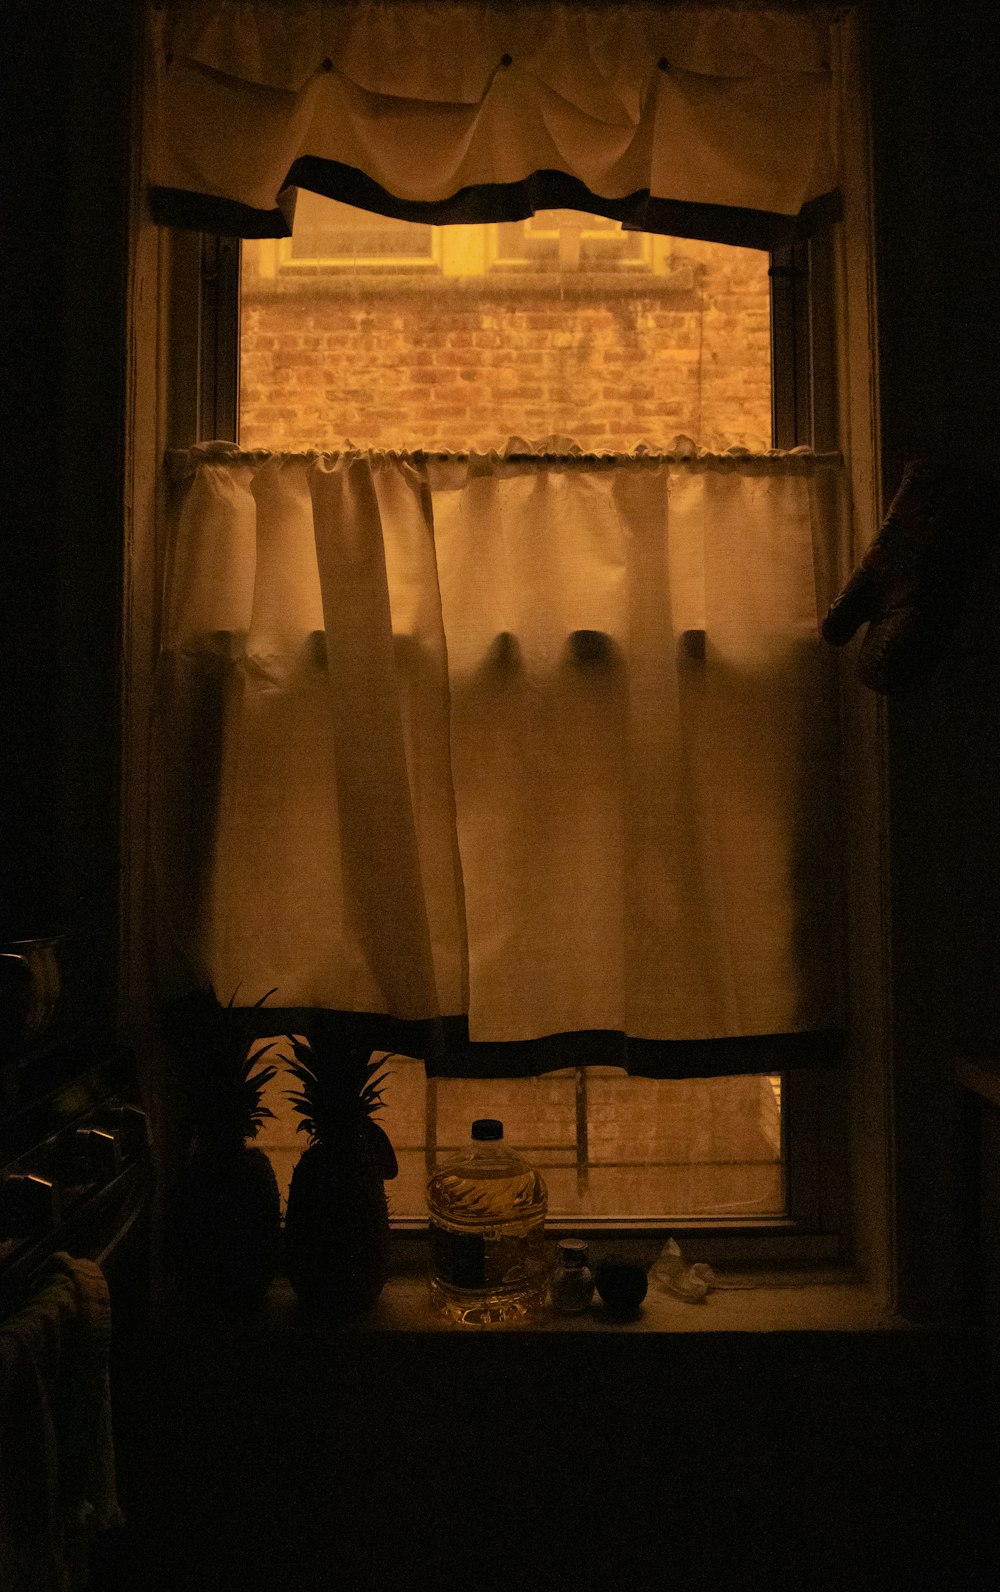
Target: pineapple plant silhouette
[337, 1220]
[225, 1233]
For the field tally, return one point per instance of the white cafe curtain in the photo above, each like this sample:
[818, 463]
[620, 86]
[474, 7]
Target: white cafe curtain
[666, 116]
[547, 742]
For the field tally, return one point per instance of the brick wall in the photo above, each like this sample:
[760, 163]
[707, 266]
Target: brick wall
[609, 359]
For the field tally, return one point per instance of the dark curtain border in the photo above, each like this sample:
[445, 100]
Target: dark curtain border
[444, 1046]
[543, 190]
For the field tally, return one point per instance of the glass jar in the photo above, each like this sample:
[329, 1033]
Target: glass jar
[572, 1280]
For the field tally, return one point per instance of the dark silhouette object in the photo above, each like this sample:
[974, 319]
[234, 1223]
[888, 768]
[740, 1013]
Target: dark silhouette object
[225, 1220]
[910, 584]
[622, 1284]
[337, 1221]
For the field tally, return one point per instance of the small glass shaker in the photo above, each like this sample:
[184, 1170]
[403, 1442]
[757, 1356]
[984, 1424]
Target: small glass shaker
[572, 1280]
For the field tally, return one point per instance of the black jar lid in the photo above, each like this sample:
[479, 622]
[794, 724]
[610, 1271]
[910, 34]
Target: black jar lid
[487, 1128]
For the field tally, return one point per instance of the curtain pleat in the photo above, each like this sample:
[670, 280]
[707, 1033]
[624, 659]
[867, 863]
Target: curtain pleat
[512, 756]
[710, 122]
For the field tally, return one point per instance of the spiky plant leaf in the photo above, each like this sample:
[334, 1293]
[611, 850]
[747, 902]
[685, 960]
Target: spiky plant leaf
[340, 1093]
[340, 1087]
[223, 1080]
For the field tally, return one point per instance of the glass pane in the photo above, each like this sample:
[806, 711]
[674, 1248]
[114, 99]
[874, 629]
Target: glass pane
[611, 1148]
[327, 232]
[396, 335]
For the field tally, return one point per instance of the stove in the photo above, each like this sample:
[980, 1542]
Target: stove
[74, 1158]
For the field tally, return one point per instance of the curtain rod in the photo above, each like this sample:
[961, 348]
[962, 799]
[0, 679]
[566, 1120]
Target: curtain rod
[819, 8]
[200, 452]
[461, 456]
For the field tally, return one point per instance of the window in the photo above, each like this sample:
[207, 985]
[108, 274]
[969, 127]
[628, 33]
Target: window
[614, 1149]
[785, 398]
[562, 325]
[567, 240]
[719, 329]
[329, 235]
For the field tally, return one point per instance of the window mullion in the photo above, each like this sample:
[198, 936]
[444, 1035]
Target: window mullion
[219, 342]
[791, 400]
[582, 1146]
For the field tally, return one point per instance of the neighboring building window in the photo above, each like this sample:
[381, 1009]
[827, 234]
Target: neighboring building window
[568, 240]
[332, 235]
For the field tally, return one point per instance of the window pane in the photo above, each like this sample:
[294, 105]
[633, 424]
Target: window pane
[397, 335]
[611, 1148]
[567, 240]
[333, 234]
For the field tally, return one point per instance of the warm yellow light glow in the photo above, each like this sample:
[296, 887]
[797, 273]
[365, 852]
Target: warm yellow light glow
[398, 335]
[611, 1147]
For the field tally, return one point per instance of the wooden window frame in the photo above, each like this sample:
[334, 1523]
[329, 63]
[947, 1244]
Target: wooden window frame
[858, 1118]
[803, 346]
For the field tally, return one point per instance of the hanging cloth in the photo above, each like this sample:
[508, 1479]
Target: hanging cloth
[692, 121]
[528, 756]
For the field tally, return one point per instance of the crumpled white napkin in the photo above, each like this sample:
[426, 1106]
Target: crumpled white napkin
[671, 1273]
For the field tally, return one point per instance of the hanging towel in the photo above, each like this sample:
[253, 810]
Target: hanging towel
[57, 1479]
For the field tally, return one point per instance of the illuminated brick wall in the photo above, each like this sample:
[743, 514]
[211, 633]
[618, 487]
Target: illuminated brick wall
[607, 358]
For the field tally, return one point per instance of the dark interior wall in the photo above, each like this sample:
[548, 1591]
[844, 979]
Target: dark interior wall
[935, 122]
[333, 1461]
[935, 148]
[67, 96]
[764, 1436]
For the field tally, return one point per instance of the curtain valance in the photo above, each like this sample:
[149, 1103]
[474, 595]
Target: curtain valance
[694, 121]
[521, 761]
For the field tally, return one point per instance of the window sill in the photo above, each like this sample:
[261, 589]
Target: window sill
[745, 1304]
[744, 1301]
